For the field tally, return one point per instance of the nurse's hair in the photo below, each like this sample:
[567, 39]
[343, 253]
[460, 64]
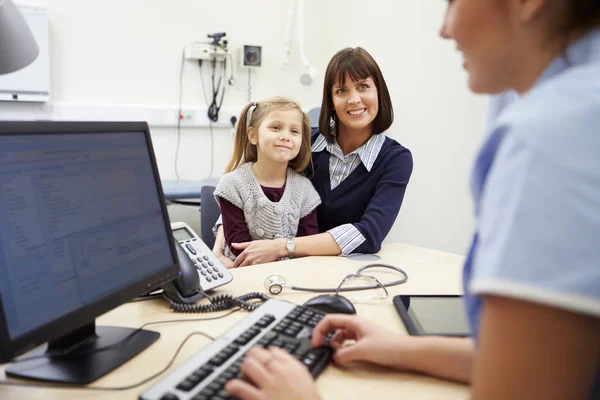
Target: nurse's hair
[583, 15]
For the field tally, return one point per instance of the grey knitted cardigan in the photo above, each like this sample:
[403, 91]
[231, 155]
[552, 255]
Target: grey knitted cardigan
[267, 219]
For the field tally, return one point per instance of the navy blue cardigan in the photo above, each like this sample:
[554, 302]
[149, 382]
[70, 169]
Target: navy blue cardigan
[368, 200]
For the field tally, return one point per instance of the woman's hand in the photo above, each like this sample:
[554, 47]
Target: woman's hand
[259, 252]
[218, 252]
[276, 375]
[357, 339]
[226, 261]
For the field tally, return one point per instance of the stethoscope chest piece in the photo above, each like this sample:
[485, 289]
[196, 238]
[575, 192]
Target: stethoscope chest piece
[275, 284]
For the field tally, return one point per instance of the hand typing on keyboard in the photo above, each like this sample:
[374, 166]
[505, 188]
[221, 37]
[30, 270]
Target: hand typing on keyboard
[370, 342]
[275, 374]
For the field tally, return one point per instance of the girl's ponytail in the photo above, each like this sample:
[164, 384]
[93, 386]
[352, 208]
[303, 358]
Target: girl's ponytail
[241, 145]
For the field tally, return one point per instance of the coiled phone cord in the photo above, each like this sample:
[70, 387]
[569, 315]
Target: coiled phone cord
[221, 303]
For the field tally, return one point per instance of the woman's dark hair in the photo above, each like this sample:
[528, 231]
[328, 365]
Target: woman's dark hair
[583, 15]
[358, 64]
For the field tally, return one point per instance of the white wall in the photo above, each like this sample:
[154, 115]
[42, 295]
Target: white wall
[129, 51]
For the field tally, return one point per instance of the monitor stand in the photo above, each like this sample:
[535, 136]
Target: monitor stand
[81, 358]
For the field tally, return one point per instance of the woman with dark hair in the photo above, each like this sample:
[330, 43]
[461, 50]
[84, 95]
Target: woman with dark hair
[532, 275]
[359, 172]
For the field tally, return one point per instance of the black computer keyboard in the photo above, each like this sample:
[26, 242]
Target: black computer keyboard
[275, 323]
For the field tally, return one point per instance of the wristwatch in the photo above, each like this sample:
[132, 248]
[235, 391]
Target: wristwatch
[291, 248]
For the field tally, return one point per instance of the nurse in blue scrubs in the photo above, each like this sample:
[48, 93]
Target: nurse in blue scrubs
[532, 274]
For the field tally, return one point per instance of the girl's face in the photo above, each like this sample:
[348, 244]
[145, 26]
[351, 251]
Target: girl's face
[356, 103]
[482, 30]
[279, 136]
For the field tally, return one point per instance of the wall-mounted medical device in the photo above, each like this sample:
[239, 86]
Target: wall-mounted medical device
[212, 50]
[250, 56]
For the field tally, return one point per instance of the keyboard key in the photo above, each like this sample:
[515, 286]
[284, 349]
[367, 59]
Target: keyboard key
[301, 350]
[203, 372]
[169, 396]
[267, 339]
[186, 385]
[265, 321]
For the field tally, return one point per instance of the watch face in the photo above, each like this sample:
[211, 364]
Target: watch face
[290, 246]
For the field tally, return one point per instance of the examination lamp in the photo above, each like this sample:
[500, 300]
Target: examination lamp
[18, 48]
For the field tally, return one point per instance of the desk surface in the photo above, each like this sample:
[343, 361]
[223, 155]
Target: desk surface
[429, 272]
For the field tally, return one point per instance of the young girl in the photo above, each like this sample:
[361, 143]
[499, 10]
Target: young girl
[263, 194]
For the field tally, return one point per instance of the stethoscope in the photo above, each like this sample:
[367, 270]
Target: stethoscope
[275, 283]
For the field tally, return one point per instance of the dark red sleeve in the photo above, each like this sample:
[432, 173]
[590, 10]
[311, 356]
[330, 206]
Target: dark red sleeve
[308, 225]
[234, 225]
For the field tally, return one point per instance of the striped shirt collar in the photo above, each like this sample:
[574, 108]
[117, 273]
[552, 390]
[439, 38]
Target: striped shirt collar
[367, 153]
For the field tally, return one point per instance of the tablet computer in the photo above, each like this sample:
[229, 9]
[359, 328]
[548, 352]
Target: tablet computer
[437, 315]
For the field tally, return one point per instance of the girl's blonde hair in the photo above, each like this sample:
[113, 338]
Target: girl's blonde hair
[244, 151]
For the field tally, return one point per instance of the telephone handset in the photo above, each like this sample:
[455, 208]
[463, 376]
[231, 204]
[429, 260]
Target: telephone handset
[201, 270]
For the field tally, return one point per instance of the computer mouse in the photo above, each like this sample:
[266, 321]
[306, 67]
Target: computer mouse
[331, 303]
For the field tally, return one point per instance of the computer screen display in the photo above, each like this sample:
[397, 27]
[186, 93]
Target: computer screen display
[81, 218]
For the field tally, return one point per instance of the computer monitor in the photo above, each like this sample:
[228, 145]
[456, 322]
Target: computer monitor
[83, 229]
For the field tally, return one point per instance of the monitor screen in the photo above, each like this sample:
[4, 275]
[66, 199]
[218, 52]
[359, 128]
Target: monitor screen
[82, 220]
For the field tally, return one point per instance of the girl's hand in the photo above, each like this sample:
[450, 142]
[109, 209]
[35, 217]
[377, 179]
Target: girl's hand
[259, 252]
[357, 339]
[276, 375]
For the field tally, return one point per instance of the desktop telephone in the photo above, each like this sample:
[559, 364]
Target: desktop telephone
[200, 272]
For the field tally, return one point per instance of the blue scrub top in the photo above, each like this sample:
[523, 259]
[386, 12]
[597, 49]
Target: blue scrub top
[536, 188]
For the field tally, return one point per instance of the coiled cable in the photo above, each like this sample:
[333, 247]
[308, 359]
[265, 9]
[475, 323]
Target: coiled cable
[222, 302]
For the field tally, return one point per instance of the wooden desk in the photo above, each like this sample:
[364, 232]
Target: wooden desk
[429, 271]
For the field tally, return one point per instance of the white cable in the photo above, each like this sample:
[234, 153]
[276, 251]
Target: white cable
[179, 115]
[287, 44]
[307, 77]
[300, 18]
